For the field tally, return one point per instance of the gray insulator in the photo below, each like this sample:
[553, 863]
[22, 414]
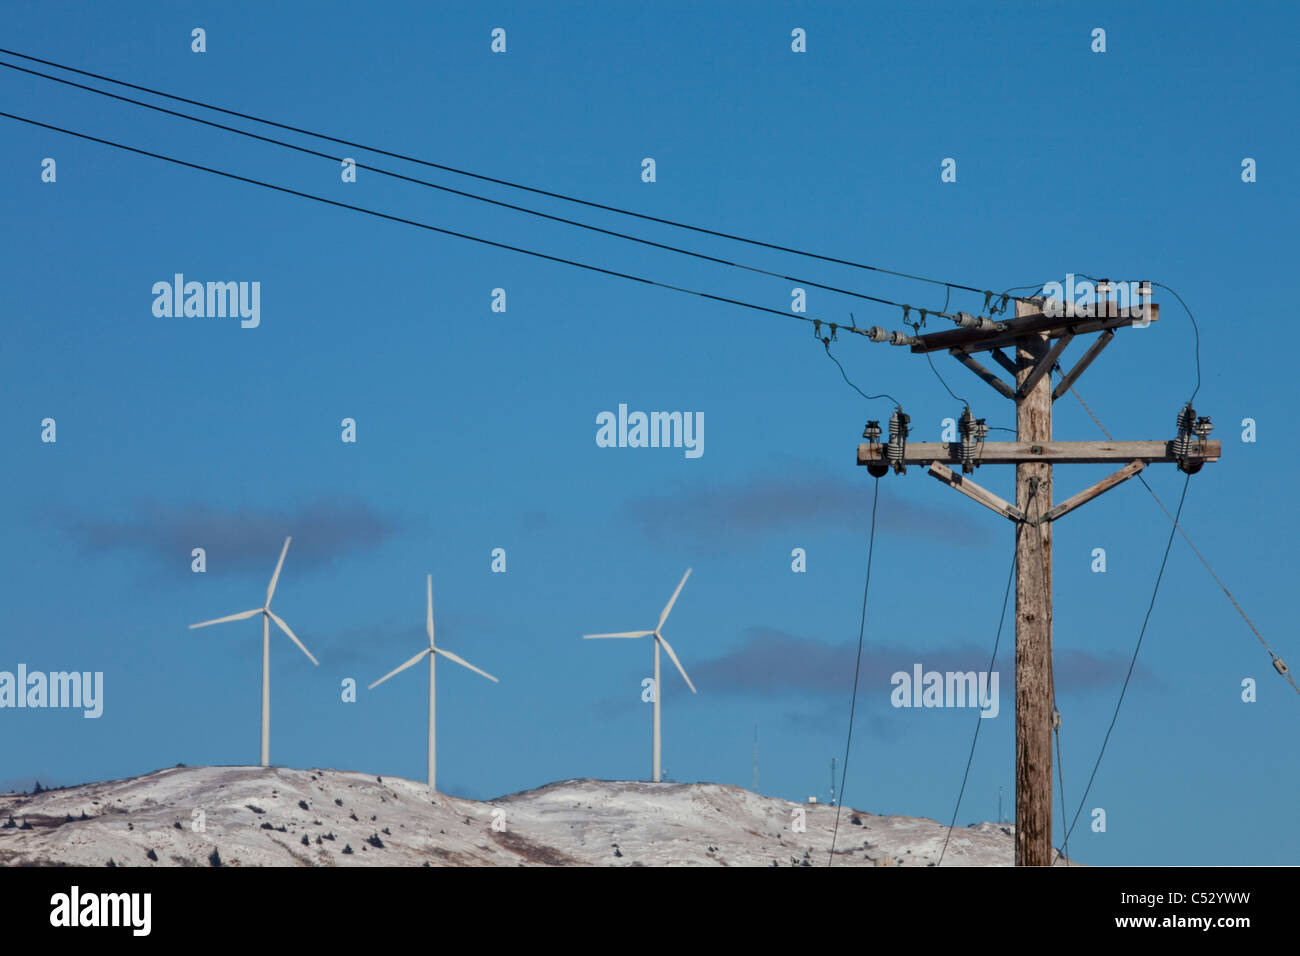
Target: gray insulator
[965, 423]
[898, 423]
[968, 446]
[898, 431]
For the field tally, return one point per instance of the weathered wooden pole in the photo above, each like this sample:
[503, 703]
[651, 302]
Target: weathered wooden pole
[1033, 609]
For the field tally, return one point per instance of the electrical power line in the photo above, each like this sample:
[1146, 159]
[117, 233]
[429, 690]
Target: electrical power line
[469, 195]
[870, 398]
[1196, 333]
[916, 329]
[498, 181]
[1127, 677]
[422, 225]
[979, 720]
[857, 671]
[1060, 776]
[1278, 664]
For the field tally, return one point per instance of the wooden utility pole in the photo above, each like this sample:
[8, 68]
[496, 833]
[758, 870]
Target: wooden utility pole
[1039, 334]
[1034, 692]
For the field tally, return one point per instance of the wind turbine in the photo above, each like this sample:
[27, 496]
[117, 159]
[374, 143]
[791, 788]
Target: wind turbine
[658, 640]
[267, 616]
[433, 651]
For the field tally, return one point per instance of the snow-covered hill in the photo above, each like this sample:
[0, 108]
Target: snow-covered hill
[254, 816]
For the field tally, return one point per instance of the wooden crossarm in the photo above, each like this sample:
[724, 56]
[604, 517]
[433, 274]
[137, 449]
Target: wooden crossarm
[1056, 452]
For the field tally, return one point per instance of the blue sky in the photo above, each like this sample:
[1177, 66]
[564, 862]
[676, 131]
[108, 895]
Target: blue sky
[476, 430]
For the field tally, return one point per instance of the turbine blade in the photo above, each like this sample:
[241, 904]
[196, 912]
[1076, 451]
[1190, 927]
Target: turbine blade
[464, 663]
[672, 600]
[398, 670]
[230, 617]
[669, 648]
[587, 637]
[428, 621]
[276, 576]
[292, 636]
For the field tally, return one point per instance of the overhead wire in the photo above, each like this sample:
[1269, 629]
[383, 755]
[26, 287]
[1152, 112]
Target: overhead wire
[463, 193]
[512, 206]
[857, 670]
[844, 375]
[916, 327]
[1060, 777]
[1132, 662]
[420, 225]
[1196, 333]
[496, 180]
[1286, 673]
[979, 720]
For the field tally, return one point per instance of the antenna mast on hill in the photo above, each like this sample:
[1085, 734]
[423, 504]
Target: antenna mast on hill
[1037, 336]
[755, 787]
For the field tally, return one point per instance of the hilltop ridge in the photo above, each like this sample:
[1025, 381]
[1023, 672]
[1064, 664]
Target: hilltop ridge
[278, 816]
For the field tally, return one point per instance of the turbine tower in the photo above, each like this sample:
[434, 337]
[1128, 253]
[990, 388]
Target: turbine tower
[658, 640]
[267, 616]
[433, 651]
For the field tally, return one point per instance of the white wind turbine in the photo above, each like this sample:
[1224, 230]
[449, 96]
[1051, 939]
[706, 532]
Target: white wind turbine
[658, 640]
[433, 651]
[267, 616]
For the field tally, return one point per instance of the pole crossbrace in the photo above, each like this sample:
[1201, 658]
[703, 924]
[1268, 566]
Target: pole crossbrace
[1044, 365]
[1002, 359]
[1081, 366]
[984, 374]
[975, 492]
[1100, 488]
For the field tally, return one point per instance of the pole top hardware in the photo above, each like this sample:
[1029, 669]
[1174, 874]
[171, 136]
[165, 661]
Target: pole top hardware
[1189, 446]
